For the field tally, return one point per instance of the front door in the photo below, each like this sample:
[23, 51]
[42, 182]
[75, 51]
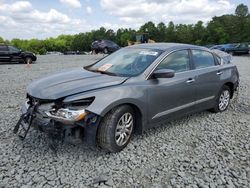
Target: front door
[167, 97]
[14, 54]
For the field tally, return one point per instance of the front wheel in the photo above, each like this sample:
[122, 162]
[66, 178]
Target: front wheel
[115, 130]
[28, 60]
[223, 99]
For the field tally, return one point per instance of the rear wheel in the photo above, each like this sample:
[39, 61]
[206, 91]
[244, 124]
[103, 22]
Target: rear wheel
[115, 130]
[28, 60]
[223, 99]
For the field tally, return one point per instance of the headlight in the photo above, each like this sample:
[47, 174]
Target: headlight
[72, 111]
[64, 114]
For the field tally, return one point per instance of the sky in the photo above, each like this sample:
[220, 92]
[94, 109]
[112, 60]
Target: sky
[41, 19]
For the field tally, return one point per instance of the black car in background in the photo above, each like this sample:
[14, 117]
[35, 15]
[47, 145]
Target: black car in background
[238, 49]
[10, 53]
[104, 46]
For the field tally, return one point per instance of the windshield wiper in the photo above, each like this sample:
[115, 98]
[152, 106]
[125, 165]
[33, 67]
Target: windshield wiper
[103, 72]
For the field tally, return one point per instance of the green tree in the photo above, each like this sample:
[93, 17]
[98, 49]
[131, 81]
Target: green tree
[149, 28]
[241, 10]
[1, 40]
[171, 32]
[184, 33]
[161, 32]
[199, 33]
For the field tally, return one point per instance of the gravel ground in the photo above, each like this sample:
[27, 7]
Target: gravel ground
[202, 150]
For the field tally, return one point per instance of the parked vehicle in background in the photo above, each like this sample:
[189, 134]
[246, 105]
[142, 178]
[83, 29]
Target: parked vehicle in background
[233, 49]
[9, 53]
[222, 47]
[71, 53]
[238, 49]
[133, 89]
[209, 46]
[104, 46]
[54, 53]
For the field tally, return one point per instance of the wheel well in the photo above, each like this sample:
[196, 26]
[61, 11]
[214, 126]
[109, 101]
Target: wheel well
[25, 57]
[231, 86]
[138, 114]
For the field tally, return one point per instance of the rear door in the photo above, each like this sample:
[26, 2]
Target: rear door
[4, 53]
[208, 73]
[168, 97]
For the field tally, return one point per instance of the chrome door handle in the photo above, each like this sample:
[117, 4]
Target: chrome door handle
[219, 73]
[191, 80]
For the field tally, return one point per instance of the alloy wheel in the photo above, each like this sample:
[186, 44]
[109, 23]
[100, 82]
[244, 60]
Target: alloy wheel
[124, 129]
[224, 100]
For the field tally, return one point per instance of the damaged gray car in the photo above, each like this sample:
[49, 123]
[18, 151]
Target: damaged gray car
[129, 91]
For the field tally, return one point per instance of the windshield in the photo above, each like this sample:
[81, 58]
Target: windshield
[230, 45]
[126, 62]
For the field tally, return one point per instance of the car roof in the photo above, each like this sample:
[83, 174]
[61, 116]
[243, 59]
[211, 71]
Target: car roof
[166, 46]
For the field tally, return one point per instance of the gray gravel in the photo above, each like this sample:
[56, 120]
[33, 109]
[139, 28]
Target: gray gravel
[202, 150]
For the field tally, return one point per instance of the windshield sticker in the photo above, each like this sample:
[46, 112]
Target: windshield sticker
[105, 67]
[149, 53]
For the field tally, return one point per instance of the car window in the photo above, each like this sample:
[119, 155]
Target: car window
[202, 59]
[3, 48]
[110, 43]
[13, 49]
[231, 45]
[177, 61]
[113, 44]
[243, 46]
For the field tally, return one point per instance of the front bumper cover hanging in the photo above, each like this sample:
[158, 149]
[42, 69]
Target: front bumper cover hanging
[25, 122]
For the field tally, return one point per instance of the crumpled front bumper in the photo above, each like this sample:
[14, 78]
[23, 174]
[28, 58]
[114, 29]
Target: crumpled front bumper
[40, 122]
[85, 129]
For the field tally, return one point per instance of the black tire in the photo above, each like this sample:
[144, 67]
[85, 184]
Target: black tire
[105, 51]
[106, 134]
[217, 107]
[28, 60]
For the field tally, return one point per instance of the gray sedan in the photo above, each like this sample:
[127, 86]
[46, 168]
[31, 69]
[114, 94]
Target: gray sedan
[131, 90]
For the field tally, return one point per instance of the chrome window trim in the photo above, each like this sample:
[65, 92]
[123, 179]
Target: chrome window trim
[167, 54]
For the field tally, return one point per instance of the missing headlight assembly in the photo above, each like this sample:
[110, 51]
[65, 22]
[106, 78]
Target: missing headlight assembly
[58, 119]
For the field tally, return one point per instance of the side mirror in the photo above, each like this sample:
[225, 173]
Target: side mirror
[164, 73]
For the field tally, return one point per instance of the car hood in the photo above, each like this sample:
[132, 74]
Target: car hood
[68, 83]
